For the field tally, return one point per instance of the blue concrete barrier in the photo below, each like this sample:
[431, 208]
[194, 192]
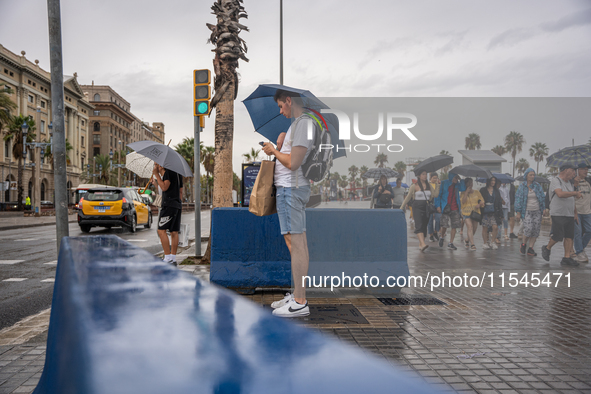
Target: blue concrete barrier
[124, 322]
[248, 251]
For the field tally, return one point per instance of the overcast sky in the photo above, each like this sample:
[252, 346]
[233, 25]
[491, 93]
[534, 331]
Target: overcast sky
[146, 51]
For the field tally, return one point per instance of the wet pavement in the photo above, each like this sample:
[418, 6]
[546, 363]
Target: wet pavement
[485, 339]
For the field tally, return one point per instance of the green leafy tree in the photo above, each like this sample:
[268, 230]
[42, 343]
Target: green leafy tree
[522, 165]
[15, 133]
[499, 150]
[473, 141]
[380, 160]
[514, 142]
[538, 151]
[6, 106]
[353, 171]
[251, 156]
[362, 172]
[103, 166]
[400, 167]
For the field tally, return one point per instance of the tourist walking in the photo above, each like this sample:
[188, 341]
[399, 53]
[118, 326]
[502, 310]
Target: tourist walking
[472, 202]
[399, 194]
[529, 207]
[492, 213]
[449, 205]
[421, 195]
[505, 191]
[435, 219]
[383, 194]
[562, 212]
[583, 213]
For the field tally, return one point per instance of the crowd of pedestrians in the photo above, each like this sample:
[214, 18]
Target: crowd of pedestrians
[455, 204]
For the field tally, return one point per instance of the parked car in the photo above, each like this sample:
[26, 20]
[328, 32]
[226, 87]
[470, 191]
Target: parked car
[113, 207]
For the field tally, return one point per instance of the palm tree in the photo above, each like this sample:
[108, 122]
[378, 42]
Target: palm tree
[49, 156]
[6, 105]
[229, 48]
[381, 158]
[400, 167]
[499, 150]
[522, 165]
[353, 171]
[538, 151]
[514, 142]
[251, 156]
[362, 171]
[103, 164]
[445, 169]
[473, 141]
[187, 150]
[15, 131]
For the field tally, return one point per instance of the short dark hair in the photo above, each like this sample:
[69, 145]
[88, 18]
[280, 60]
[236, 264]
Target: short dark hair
[284, 94]
[468, 181]
[399, 180]
[431, 175]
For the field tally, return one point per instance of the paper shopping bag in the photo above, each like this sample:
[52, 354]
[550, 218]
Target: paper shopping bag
[262, 198]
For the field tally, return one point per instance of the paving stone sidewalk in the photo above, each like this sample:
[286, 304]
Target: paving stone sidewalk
[483, 340]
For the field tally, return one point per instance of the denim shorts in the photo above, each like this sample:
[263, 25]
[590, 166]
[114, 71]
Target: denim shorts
[291, 208]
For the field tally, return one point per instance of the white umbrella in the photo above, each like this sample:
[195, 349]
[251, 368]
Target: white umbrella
[163, 155]
[140, 165]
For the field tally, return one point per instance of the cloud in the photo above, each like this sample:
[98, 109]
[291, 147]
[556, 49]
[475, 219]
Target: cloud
[579, 18]
[511, 37]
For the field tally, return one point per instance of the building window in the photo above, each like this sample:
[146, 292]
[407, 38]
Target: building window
[31, 99]
[96, 139]
[42, 127]
[97, 113]
[96, 151]
[82, 122]
[42, 104]
[7, 149]
[82, 162]
[82, 141]
[97, 126]
[97, 97]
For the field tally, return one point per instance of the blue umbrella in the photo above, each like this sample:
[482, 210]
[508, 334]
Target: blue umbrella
[503, 178]
[268, 122]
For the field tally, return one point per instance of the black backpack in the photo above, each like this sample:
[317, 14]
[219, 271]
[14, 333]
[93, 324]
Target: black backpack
[318, 163]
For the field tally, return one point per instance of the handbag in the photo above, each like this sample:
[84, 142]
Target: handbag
[476, 216]
[430, 206]
[263, 195]
[158, 201]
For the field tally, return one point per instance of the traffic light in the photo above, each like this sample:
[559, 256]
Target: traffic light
[202, 91]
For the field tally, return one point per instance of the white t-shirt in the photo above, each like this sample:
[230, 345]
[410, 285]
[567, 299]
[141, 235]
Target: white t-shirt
[283, 175]
[504, 190]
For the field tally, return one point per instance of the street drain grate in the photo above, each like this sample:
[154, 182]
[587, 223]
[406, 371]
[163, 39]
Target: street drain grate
[412, 300]
[333, 314]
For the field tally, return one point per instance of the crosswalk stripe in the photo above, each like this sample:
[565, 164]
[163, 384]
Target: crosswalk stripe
[14, 279]
[48, 280]
[54, 262]
[8, 262]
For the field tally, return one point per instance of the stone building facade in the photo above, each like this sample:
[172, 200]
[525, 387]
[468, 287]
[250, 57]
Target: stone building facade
[31, 91]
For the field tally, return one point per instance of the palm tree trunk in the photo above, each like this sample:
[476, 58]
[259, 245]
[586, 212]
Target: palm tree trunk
[20, 184]
[537, 167]
[224, 134]
[513, 155]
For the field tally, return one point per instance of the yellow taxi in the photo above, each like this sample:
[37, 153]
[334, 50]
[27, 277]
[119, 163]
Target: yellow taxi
[113, 207]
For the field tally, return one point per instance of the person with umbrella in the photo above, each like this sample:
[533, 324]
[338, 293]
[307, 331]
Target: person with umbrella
[383, 194]
[435, 219]
[529, 206]
[398, 193]
[171, 184]
[449, 205]
[562, 212]
[471, 202]
[293, 193]
[422, 195]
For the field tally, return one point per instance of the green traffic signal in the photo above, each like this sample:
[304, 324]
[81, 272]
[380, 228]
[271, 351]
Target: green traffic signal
[201, 107]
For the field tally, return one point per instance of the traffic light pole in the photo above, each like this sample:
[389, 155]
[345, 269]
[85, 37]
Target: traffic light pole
[197, 185]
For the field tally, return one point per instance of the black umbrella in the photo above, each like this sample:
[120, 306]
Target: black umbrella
[433, 164]
[376, 173]
[539, 179]
[471, 170]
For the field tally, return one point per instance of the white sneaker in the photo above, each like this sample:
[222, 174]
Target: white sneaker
[584, 254]
[280, 303]
[292, 309]
[486, 247]
[494, 246]
[582, 258]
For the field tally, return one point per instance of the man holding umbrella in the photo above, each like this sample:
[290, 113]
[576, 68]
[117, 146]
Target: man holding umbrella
[449, 205]
[293, 193]
[169, 219]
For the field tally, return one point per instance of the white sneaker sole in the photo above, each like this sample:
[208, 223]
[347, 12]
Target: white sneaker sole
[299, 313]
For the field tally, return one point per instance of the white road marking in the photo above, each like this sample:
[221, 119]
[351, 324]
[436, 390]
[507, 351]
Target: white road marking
[137, 240]
[9, 262]
[27, 239]
[54, 262]
[48, 280]
[14, 279]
